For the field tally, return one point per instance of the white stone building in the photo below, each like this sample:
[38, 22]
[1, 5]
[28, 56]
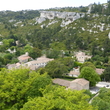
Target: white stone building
[81, 57]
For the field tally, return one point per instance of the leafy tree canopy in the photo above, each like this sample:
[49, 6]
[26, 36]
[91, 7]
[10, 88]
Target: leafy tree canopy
[56, 69]
[106, 74]
[67, 61]
[87, 64]
[35, 52]
[102, 100]
[52, 53]
[59, 99]
[89, 74]
[17, 85]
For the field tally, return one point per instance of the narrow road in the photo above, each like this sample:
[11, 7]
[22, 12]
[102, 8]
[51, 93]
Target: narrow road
[93, 98]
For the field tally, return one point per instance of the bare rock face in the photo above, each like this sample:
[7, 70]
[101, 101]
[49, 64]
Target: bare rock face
[40, 20]
[89, 11]
[109, 35]
[63, 15]
[68, 17]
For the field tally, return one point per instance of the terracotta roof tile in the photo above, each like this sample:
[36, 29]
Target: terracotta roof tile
[24, 57]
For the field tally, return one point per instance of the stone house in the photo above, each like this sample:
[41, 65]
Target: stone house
[99, 71]
[24, 58]
[33, 65]
[39, 62]
[74, 73]
[77, 84]
[81, 57]
[12, 66]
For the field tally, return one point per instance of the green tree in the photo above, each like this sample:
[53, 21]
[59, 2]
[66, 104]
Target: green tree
[102, 101]
[108, 7]
[106, 46]
[8, 56]
[90, 74]
[39, 82]
[76, 64]
[27, 48]
[67, 61]
[52, 53]
[56, 69]
[58, 98]
[8, 42]
[106, 74]
[2, 61]
[87, 64]
[35, 52]
[19, 84]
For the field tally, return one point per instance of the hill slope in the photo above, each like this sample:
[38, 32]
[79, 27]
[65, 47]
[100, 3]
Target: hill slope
[87, 28]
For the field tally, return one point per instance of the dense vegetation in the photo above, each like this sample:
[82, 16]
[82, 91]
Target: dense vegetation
[103, 99]
[22, 89]
[88, 34]
[89, 74]
[20, 32]
[19, 15]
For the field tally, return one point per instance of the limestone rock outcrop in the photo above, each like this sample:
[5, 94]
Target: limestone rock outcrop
[63, 15]
[67, 17]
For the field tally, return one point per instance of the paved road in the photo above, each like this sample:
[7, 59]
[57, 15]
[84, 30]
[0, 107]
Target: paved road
[95, 89]
[103, 84]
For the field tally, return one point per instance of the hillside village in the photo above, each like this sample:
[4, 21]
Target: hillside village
[56, 59]
[27, 62]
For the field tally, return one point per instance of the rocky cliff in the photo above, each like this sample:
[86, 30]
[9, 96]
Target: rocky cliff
[67, 17]
[63, 15]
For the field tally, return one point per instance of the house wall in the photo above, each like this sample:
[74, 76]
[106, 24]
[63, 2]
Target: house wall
[76, 86]
[73, 85]
[24, 61]
[79, 86]
[72, 75]
[81, 59]
[86, 86]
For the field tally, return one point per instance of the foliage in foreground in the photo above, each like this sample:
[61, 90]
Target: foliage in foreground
[17, 85]
[59, 99]
[102, 100]
[22, 89]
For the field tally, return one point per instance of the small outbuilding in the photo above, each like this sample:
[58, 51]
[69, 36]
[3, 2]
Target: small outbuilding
[77, 84]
